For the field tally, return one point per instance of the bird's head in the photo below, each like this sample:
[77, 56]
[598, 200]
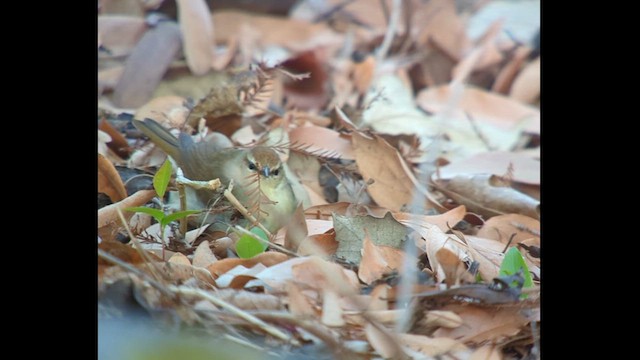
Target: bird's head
[265, 162]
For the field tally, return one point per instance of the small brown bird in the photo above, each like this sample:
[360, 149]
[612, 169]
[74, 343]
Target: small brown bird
[250, 169]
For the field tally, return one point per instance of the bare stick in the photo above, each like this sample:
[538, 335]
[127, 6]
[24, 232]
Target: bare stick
[138, 246]
[234, 201]
[187, 291]
[388, 36]
[105, 255]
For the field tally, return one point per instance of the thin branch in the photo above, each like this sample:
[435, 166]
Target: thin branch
[198, 293]
[311, 326]
[234, 201]
[158, 285]
[396, 8]
[139, 248]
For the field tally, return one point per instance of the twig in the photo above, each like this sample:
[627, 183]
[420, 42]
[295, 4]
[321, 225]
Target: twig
[171, 290]
[138, 247]
[313, 327]
[479, 133]
[273, 245]
[271, 330]
[158, 285]
[396, 8]
[234, 201]
[509, 242]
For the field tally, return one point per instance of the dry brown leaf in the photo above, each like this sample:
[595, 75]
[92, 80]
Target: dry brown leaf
[109, 222]
[485, 54]
[247, 300]
[525, 169]
[325, 211]
[203, 256]
[294, 35]
[363, 74]
[380, 162]
[192, 235]
[246, 274]
[441, 26]
[331, 310]
[147, 65]
[443, 221]
[267, 259]
[306, 168]
[436, 239]
[148, 155]
[118, 143]
[480, 104]
[319, 244]
[488, 253]
[526, 87]
[168, 111]
[373, 265]
[109, 181]
[505, 78]
[180, 259]
[123, 252]
[392, 110]
[322, 141]
[197, 31]
[442, 318]
[299, 304]
[278, 275]
[484, 323]
[383, 341]
[487, 352]
[432, 347]
[379, 298]
[452, 266]
[351, 231]
[103, 140]
[310, 92]
[482, 195]
[296, 230]
[120, 33]
[502, 227]
[322, 275]
[480, 120]
[240, 281]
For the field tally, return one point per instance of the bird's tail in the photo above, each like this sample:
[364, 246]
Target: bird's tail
[160, 136]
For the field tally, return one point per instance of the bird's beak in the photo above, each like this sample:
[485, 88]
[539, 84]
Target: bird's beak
[265, 171]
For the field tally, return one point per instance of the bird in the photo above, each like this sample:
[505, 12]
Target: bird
[250, 169]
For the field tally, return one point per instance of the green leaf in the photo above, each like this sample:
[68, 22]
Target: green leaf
[177, 215]
[248, 247]
[157, 214]
[514, 262]
[161, 178]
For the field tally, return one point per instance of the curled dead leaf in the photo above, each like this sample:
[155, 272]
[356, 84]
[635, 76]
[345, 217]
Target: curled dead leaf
[109, 181]
[502, 227]
[480, 195]
[269, 258]
[203, 256]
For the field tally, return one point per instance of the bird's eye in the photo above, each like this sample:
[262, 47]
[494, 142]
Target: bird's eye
[252, 166]
[276, 172]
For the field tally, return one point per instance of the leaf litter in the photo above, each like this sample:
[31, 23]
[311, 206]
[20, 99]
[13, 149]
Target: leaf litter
[424, 126]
